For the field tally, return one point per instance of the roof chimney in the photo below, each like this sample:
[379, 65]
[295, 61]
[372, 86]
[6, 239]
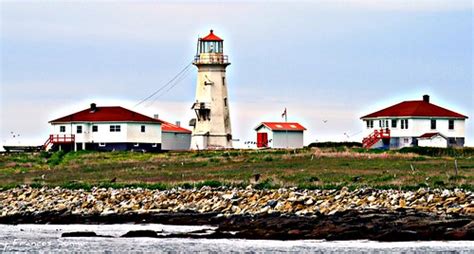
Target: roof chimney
[93, 107]
[426, 98]
[178, 123]
[156, 116]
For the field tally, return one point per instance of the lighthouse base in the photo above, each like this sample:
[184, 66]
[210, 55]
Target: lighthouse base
[210, 142]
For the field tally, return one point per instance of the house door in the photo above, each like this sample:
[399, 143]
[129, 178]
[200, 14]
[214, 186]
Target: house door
[262, 139]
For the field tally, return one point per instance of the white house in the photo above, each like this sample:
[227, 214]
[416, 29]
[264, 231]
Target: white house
[175, 137]
[409, 122]
[280, 135]
[105, 128]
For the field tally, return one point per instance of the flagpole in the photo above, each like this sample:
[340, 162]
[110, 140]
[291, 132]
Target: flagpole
[286, 120]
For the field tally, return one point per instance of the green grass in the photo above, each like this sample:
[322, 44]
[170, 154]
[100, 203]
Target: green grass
[304, 168]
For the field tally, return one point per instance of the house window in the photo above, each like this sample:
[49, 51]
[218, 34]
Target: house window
[433, 124]
[404, 124]
[143, 128]
[370, 124]
[79, 129]
[386, 123]
[95, 128]
[394, 123]
[406, 140]
[380, 123]
[451, 124]
[114, 128]
[62, 128]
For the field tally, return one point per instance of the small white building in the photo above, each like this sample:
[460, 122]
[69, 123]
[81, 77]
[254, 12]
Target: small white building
[434, 139]
[280, 135]
[105, 128]
[175, 137]
[406, 123]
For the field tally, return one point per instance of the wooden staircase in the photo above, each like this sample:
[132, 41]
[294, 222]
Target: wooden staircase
[375, 137]
[58, 139]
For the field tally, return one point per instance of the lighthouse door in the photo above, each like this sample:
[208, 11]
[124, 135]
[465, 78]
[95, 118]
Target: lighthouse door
[262, 139]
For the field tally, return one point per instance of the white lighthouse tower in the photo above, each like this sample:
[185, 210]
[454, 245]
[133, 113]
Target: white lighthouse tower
[211, 127]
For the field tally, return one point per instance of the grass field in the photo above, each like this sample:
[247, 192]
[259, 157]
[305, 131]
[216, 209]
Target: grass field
[303, 168]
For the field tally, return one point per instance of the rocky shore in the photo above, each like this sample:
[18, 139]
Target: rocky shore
[259, 214]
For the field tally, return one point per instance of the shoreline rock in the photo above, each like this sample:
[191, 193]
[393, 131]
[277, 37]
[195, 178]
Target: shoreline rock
[379, 225]
[384, 215]
[230, 201]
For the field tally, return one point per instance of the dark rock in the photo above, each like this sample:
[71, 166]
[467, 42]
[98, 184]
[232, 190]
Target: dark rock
[378, 224]
[79, 234]
[272, 203]
[140, 233]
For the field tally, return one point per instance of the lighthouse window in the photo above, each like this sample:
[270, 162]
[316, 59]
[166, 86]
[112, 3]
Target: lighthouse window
[225, 102]
[223, 81]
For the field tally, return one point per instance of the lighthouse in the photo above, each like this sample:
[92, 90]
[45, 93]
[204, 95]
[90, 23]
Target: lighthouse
[211, 127]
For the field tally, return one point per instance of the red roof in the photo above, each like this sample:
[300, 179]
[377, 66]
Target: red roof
[211, 37]
[429, 135]
[282, 126]
[106, 114]
[168, 127]
[415, 108]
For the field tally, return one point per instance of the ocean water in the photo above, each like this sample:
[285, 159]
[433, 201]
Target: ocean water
[47, 238]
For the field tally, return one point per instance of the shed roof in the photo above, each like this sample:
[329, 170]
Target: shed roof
[431, 135]
[169, 127]
[282, 126]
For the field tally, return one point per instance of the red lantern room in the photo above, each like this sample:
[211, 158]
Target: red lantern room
[210, 50]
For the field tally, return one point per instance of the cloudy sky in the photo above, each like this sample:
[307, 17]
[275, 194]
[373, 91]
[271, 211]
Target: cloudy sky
[323, 60]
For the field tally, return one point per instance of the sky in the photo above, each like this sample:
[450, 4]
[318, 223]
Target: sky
[327, 62]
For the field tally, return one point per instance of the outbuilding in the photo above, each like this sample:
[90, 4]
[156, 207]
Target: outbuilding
[434, 139]
[280, 135]
[175, 137]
